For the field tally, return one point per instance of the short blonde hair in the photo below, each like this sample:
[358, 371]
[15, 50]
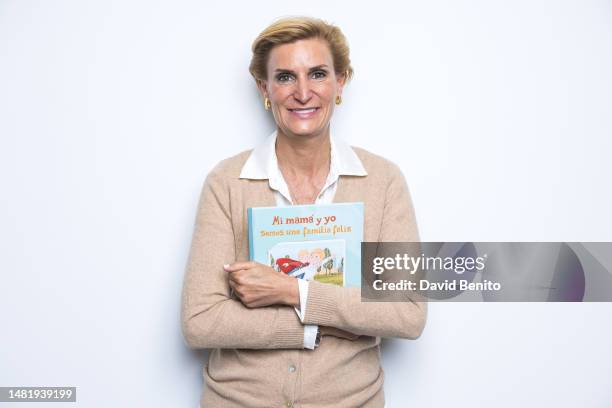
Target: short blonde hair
[290, 29]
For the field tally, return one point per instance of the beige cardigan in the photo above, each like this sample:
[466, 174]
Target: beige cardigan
[257, 357]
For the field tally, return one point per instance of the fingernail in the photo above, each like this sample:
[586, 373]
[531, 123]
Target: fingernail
[226, 266]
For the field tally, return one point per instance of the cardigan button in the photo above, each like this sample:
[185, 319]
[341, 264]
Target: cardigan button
[292, 368]
[289, 404]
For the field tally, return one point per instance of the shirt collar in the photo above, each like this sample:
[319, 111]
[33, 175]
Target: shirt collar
[262, 164]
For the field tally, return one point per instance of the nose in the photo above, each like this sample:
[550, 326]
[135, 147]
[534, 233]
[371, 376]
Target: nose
[302, 91]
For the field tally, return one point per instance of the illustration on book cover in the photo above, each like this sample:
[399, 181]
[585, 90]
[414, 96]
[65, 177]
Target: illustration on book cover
[319, 260]
[320, 242]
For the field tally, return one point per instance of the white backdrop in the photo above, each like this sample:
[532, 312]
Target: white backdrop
[113, 112]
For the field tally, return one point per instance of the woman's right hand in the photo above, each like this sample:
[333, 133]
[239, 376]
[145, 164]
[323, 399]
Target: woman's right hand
[333, 331]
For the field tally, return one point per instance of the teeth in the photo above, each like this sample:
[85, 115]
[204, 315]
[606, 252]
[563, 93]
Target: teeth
[304, 110]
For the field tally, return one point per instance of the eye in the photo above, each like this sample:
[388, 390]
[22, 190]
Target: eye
[284, 77]
[319, 74]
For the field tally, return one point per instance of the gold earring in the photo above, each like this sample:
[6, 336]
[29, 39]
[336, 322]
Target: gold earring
[338, 100]
[267, 103]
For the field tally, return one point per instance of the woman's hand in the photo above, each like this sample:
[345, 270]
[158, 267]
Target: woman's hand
[258, 285]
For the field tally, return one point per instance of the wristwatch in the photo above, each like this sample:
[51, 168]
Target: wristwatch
[318, 337]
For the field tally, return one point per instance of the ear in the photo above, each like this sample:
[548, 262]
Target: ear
[341, 81]
[262, 85]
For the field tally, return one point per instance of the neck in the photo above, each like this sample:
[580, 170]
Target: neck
[304, 157]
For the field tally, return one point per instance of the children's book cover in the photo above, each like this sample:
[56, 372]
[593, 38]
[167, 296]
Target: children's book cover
[314, 242]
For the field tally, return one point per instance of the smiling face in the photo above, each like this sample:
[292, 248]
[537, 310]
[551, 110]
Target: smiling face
[302, 87]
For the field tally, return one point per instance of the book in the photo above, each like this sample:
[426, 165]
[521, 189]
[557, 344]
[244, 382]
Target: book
[319, 242]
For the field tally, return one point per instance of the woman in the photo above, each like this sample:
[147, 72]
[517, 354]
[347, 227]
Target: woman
[282, 341]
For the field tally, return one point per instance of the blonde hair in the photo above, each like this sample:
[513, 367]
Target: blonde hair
[290, 29]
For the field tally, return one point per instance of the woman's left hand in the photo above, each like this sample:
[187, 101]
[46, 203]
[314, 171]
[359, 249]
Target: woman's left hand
[258, 285]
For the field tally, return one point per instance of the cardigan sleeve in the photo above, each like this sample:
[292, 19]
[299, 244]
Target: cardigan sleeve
[335, 306]
[210, 317]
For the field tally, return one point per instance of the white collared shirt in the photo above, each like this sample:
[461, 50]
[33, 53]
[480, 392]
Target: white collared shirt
[262, 164]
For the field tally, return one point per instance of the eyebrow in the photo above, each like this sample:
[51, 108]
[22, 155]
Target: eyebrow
[283, 70]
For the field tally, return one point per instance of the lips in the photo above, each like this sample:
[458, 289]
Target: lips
[304, 113]
[303, 110]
